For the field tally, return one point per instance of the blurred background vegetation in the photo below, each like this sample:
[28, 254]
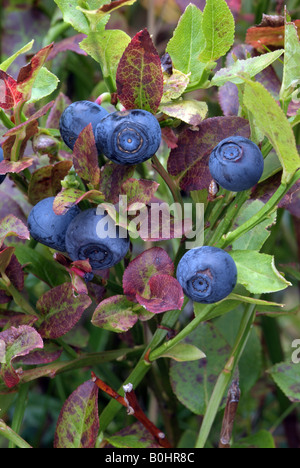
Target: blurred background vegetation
[80, 78]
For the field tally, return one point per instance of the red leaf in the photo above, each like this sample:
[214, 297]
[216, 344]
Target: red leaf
[138, 273]
[165, 294]
[139, 75]
[9, 94]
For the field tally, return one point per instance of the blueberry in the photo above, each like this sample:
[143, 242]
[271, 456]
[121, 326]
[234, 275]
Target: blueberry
[96, 237]
[236, 164]
[48, 228]
[2, 177]
[207, 274]
[128, 137]
[76, 117]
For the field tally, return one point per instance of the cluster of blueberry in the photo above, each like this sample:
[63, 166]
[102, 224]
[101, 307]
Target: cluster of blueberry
[206, 274]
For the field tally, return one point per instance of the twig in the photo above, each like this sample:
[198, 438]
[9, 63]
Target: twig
[133, 408]
[229, 415]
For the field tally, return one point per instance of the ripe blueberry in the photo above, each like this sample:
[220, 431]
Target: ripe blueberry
[207, 274]
[2, 177]
[48, 228]
[128, 137]
[96, 237]
[76, 117]
[236, 164]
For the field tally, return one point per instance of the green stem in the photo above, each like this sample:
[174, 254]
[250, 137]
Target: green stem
[226, 375]
[262, 214]
[155, 354]
[6, 120]
[169, 320]
[19, 411]
[230, 216]
[11, 435]
[18, 298]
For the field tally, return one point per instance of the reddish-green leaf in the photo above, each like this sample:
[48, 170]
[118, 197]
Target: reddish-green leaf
[85, 156]
[28, 73]
[61, 309]
[139, 75]
[165, 294]
[9, 94]
[67, 198]
[189, 161]
[115, 314]
[46, 181]
[17, 342]
[78, 422]
[139, 191]
[112, 178]
[138, 273]
[12, 226]
[7, 166]
[268, 35]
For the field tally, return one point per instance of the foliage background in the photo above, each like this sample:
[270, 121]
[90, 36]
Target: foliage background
[80, 78]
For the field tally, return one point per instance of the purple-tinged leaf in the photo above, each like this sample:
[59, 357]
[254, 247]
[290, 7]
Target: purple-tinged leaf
[32, 118]
[112, 178]
[286, 375]
[115, 314]
[169, 137]
[85, 156]
[151, 262]
[12, 226]
[51, 352]
[78, 422]
[188, 163]
[165, 294]
[70, 43]
[10, 318]
[61, 309]
[135, 435]
[30, 129]
[18, 342]
[60, 104]
[46, 181]
[139, 75]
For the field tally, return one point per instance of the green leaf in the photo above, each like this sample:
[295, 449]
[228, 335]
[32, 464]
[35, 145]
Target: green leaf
[96, 16]
[287, 376]
[257, 272]
[44, 268]
[73, 16]
[271, 120]
[4, 65]
[254, 239]
[291, 66]
[187, 41]
[262, 439]
[218, 30]
[78, 422]
[44, 84]
[107, 48]
[128, 441]
[251, 67]
[184, 352]
[193, 382]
